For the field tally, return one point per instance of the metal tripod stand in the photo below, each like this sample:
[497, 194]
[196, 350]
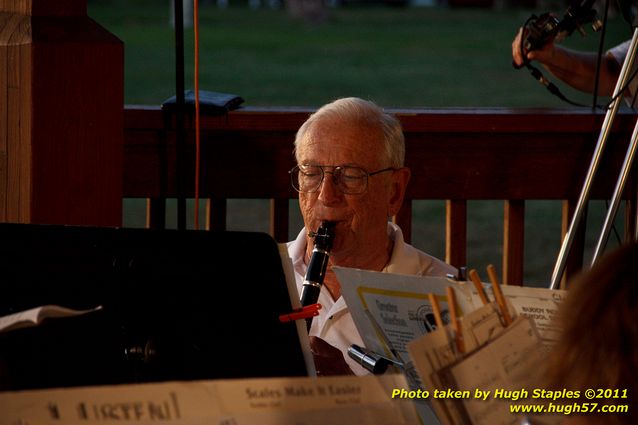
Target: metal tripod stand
[623, 79]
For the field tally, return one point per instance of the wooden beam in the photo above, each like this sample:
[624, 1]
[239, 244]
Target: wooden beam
[62, 86]
[494, 154]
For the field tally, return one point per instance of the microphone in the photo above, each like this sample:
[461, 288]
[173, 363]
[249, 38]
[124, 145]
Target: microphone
[316, 272]
[539, 30]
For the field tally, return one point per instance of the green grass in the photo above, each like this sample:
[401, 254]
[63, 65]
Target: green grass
[399, 57]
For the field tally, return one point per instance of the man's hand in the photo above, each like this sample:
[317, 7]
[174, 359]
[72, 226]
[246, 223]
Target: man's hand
[328, 359]
[542, 55]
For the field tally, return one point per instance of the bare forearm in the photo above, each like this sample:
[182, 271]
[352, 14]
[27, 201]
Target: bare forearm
[578, 69]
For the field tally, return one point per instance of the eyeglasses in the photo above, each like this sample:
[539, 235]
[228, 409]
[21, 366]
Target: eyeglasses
[350, 180]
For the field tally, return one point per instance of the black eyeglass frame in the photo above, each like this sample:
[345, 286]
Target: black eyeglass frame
[336, 172]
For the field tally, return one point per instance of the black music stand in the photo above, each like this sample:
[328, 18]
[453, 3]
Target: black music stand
[177, 305]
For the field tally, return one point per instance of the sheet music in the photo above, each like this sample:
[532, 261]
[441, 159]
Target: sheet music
[340, 400]
[437, 350]
[508, 362]
[36, 316]
[430, 353]
[398, 303]
[538, 304]
[400, 307]
[391, 310]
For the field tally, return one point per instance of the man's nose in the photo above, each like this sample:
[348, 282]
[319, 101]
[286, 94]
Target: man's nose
[329, 192]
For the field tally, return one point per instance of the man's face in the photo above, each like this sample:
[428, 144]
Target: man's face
[361, 219]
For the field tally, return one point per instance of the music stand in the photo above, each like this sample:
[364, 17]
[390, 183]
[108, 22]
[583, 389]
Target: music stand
[177, 305]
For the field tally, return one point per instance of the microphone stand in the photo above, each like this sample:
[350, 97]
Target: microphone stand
[180, 134]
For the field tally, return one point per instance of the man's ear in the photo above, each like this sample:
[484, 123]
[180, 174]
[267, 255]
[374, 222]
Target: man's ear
[399, 184]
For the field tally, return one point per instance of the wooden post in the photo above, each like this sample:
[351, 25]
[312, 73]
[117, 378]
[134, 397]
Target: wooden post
[61, 115]
[456, 232]
[513, 242]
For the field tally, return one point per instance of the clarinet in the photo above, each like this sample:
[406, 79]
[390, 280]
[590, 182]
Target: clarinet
[324, 237]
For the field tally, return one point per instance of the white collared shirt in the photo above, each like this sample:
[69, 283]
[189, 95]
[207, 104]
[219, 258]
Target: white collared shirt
[334, 323]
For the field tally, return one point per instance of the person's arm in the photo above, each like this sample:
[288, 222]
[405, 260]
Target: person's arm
[575, 68]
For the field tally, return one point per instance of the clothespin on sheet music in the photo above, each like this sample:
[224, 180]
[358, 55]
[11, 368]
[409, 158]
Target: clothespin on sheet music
[498, 295]
[476, 280]
[456, 324]
[306, 312]
[436, 310]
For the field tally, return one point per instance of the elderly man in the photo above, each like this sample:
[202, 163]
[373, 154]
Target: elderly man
[350, 171]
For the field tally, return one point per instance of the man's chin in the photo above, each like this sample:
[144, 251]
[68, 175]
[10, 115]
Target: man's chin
[339, 253]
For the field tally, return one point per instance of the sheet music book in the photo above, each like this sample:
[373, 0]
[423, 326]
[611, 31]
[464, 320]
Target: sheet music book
[392, 311]
[399, 304]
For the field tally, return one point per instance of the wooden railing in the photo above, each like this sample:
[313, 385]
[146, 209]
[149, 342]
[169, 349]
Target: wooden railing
[455, 155]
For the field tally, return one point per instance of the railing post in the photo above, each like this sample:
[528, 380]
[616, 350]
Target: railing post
[456, 232]
[404, 220]
[279, 219]
[216, 211]
[513, 242]
[155, 213]
[61, 126]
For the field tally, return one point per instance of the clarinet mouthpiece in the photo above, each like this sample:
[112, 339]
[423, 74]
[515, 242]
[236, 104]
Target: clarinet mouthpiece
[326, 228]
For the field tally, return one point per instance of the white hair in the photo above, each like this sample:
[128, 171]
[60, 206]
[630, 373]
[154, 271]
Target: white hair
[360, 110]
